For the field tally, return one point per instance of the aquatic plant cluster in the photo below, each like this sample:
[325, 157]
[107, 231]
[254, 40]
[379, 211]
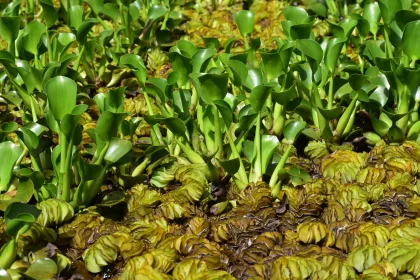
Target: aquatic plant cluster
[218, 139]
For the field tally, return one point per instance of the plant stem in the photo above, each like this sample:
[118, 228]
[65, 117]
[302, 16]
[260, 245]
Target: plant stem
[77, 63]
[275, 177]
[279, 119]
[330, 92]
[241, 171]
[257, 147]
[388, 44]
[140, 168]
[217, 132]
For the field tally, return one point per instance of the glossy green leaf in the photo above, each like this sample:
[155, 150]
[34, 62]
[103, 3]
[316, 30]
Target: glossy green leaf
[301, 31]
[259, 96]
[389, 8]
[404, 16]
[331, 114]
[118, 148]
[29, 138]
[9, 30]
[96, 5]
[23, 194]
[157, 11]
[239, 72]
[19, 217]
[116, 99]
[201, 59]
[245, 21]
[11, 152]
[84, 29]
[273, 67]
[175, 125]
[285, 96]
[32, 36]
[69, 122]
[182, 65]
[159, 86]
[333, 51]
[61, 92]
[255, 78]
[312, 51]
[42, 269]
[269, 143]
[135, 63]
[230, 166]
[225, 111]
[50, 13]
[108, 123]
[76, 16]
[380, 126]
[211, 86]
[293, 129]
[295, 14]
[411, 40]
[372, 13]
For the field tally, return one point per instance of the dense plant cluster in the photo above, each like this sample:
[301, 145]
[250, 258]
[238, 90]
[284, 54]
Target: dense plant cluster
[209, 139]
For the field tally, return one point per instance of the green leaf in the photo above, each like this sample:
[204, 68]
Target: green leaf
[331, 114]
[76, 16]
[159, 86]
[293, 129]
[296, 14]
[269, 143]
[157, 11]
[181, 64]
[301, 31]
[211, 86]
[380, 127]
[61, 93]
[175, 125]
[201, 59]
[32, 36]
[245, 21]
[83, 30]
[255, 78]
[357, 81]
[108, 123]
[333, 51]
[238, 72]
[70, 121]
[230, 166]
[118, 148]
[312, 50]
[50, 13]
[19, 217]
[186, 48]
[273, 67]
[389, 8]
[9, 30]
[259, 96]
[96, 5]
[135, 63]
[11, 152]
[372, 13]
[225, 111]
[42, 269]
[116, 99]
[411, 40]
[29, 138]
[403, 17]
[23, 194]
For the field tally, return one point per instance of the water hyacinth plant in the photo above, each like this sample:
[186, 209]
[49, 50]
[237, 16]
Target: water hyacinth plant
[209, 139]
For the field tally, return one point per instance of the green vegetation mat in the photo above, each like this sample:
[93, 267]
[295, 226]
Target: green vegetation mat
[209, 140]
